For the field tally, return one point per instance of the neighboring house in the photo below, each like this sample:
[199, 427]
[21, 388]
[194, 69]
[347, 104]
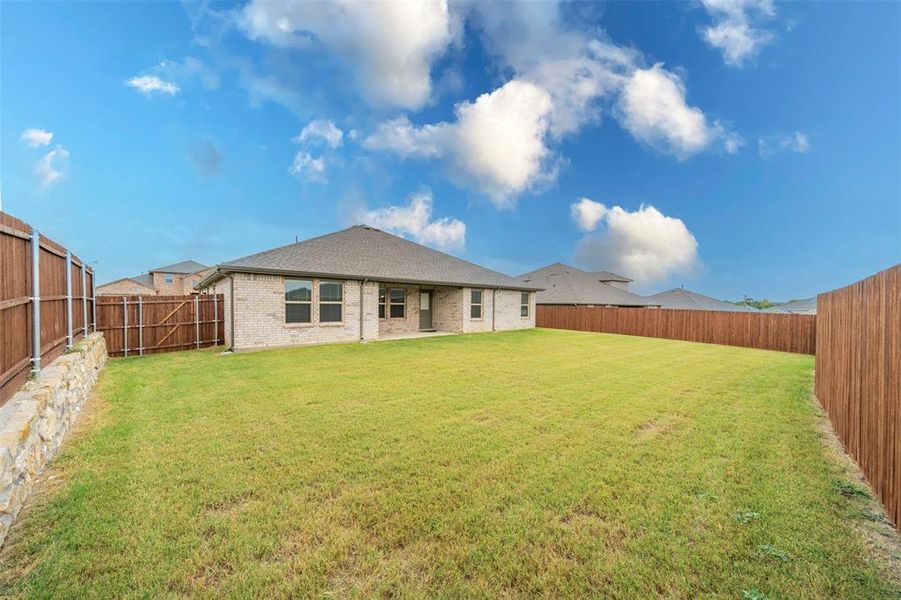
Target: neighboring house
[176, 279]
[361, 284]
[566, 285]
[807, 306]
[683, 299]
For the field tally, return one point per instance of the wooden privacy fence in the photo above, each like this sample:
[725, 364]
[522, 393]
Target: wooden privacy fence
[138, 325]
[768, 331]
[858, 377]
[46, 302]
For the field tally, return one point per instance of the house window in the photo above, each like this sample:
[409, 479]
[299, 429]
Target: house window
[381, 303]
[397, 298]
[170, 278]
[331, 296]
[524, 304]
[475, 304]
[298, 300]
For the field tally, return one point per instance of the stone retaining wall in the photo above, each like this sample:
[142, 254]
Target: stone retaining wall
[36, 419]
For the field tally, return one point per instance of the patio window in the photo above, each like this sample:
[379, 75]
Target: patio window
[475, 304]
[524, 304]
[397, 298]
[298, 299]
[331, 298]
[381, 303]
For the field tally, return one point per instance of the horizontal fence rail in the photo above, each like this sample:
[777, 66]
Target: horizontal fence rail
[768, 331]
[138, 325]
[46, 302]
[858, 377]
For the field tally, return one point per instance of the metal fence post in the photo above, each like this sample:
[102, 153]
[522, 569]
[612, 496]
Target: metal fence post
[84, 301]
[69, 342]
[140, 326]
[215, 320]
[93, 302]
[125, 324]
[196, 322]
[35, 302]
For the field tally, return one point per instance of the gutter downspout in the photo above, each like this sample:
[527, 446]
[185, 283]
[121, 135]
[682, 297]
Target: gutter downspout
[362, 285]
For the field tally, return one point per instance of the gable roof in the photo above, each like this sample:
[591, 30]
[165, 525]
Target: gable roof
[564, 284]
[364, 252]
[183, 267]
[145, 280]
[680, 298]
[806, 306]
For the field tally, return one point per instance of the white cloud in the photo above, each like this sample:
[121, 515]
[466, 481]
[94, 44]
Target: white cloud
[35, 138]
[497, 143]
[783, 142]
[645, 245]
[735, 31]
[321, 129]
[415, 220]
[308, 167]
[653, 108]
[587, 213]
[150, 84]
[46, 168]
[186, 70]
[388, 46]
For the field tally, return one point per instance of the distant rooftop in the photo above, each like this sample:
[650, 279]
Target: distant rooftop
[680, 298]
[564, 284]
[807, 306]
[184, 267]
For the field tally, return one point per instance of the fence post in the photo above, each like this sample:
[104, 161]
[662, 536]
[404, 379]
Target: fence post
[69, 342]
[125, 324]
[35, 301]
[140, 326]
[93, 302]
[196, 322]
[84, 301]
[215, 320]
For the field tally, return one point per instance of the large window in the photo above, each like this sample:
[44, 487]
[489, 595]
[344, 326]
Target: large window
[382, 303]
[331, 297]
[475, 304]
[397, 303]
[524, 304]
[298, 299]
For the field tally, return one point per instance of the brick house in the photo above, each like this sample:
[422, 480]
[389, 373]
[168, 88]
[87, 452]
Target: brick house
[361, 284]
[179, 278]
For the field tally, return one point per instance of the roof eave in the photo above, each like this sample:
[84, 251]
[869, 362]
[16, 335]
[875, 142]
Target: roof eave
[221, 270]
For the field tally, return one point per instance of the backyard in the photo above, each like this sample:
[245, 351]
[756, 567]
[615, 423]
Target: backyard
[536, 462]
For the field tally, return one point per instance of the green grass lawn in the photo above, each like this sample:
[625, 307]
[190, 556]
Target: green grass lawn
[525, 463]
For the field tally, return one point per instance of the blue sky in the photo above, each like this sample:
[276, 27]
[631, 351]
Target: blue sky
[733, 147]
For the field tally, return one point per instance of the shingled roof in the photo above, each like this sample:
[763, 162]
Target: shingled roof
[364, 252]
[564, 284]
[680, 298]
[183, 267]
[806, 306]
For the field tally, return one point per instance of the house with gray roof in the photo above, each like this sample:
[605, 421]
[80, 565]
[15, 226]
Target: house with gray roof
[682, 299]
[567, 285]
[174, 279]
[361, 284]
[806, 306]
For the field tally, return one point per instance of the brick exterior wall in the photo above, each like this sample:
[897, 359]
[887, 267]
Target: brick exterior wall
[181, 283]
[259, 312]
